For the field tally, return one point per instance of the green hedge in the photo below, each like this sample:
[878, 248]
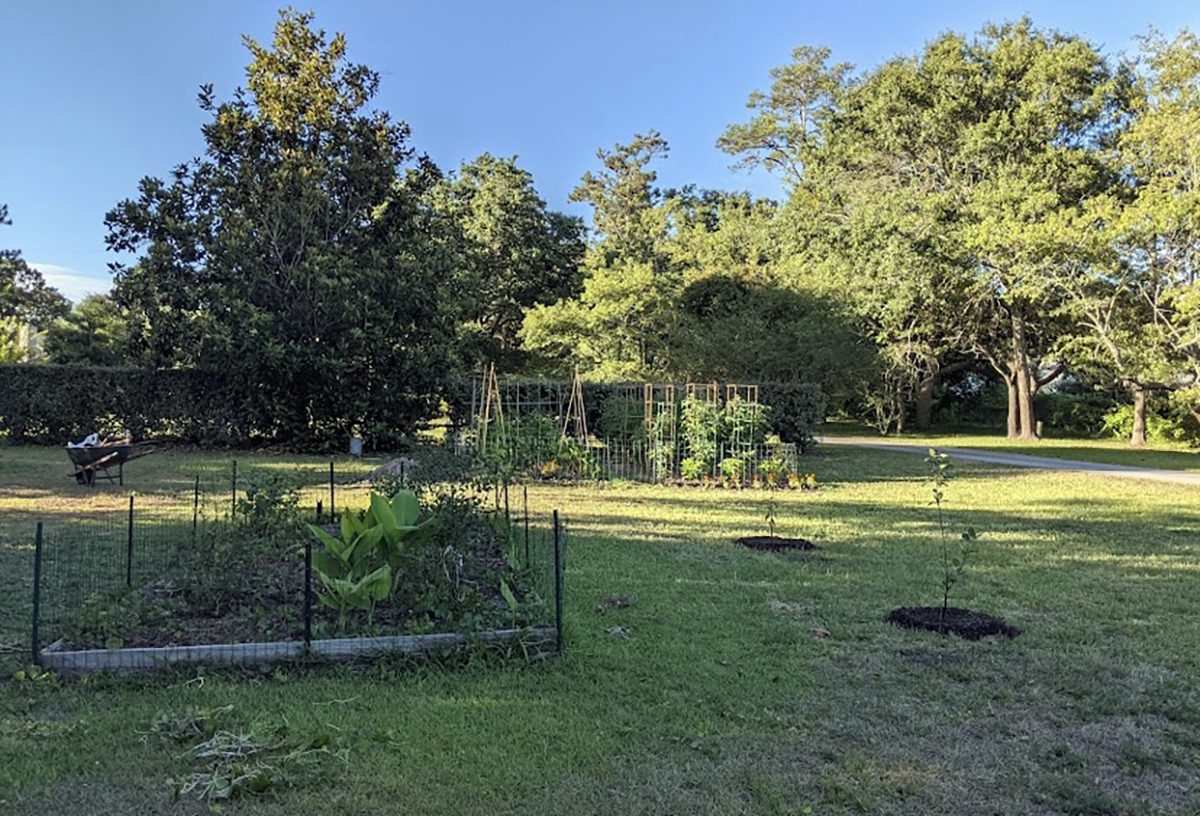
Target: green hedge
[52, 404]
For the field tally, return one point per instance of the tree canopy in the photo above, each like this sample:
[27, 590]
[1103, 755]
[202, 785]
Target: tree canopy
[300, 253]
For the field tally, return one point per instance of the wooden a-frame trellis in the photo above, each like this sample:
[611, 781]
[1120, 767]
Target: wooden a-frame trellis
[575, 415]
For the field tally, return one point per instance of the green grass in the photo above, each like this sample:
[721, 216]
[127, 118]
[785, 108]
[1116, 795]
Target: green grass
[722, 696]
[1109, 451]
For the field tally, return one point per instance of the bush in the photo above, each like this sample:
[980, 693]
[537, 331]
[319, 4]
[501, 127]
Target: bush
[51, 404]
[1067, 413]
[1162, 424]
[797, 409]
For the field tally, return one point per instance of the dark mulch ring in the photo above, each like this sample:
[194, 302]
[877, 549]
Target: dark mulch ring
[774, 543]
[961, 622]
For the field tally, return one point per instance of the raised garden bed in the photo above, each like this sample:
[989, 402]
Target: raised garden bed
[962, 622]
[71, 663]
[241, 592]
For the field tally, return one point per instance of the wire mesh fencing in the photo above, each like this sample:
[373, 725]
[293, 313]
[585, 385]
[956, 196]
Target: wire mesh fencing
[221, 579]
[746, 464]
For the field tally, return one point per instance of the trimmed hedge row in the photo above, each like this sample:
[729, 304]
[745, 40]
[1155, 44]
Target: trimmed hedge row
[51, 404]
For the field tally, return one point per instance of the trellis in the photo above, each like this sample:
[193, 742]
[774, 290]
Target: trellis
[745, 419]
[640, 435]
[661, 427]
[506, 401]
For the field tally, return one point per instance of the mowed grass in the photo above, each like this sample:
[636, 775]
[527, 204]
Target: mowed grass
[1106, 450]
[717, 690]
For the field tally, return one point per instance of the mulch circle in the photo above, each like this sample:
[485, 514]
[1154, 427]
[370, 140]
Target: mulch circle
[775, 543]
[961, 622]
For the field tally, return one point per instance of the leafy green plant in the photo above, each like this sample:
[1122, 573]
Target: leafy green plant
[733, 470]
[268, 511]
[359, 568]
[700, 423]
[105, 619]
[954, 559]
[692, 469]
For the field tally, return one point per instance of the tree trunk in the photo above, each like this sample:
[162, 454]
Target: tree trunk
[1014, 412]
[1026, 387]
[1025, 393]
[923, 405]
[1138, 438]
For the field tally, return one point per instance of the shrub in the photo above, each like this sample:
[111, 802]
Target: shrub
[1161, 425]
[1068, 413]
[797, 409]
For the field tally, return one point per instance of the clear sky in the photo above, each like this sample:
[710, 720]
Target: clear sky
[95, 95]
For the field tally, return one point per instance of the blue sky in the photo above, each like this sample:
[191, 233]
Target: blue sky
[97, 95]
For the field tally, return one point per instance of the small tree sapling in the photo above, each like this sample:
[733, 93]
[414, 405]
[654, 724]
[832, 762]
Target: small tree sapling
[954, 560]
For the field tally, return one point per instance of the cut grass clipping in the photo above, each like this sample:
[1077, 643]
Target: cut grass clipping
[226, 758]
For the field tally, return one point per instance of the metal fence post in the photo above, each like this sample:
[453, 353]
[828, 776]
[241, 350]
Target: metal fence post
[332, 512]
[507, 521]
[525, 491]
[233, 492]
[129, 546]
[307, 591]
[558, 585]
[195, 507]
[35, 634]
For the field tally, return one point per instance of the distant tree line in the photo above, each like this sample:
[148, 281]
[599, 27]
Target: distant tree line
[1013, 209]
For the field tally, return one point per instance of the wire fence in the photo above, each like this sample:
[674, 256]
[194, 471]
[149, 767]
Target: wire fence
[741, 465]
[214, 577]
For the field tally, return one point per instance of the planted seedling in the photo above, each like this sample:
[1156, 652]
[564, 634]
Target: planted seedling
[955, 552]
[772, 475]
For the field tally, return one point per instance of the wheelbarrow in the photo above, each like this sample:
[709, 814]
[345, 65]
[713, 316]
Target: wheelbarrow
[94, 462]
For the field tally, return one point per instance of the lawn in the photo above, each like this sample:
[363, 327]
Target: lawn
[1107, 450]
[732, 682]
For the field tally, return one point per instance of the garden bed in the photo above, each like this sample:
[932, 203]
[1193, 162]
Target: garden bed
[962, 622]
[71, 663]
[262, 587]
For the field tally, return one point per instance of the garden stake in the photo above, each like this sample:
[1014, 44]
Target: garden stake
[37, 596]
[332, 513]
[233, 491]
[129, 547]
[318, 511]
[525, 491]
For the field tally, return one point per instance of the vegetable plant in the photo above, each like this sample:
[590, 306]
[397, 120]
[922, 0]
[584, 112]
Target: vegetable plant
[362, 566]
[732, 470]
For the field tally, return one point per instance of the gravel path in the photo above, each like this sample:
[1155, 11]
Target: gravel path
[1025, 460]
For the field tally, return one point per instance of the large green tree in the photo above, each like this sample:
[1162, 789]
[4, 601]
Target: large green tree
[94, 333]
[299, 256]
[975, 170]
[620, 325]
[512, 253]
[1140, 311]
[25, 297]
